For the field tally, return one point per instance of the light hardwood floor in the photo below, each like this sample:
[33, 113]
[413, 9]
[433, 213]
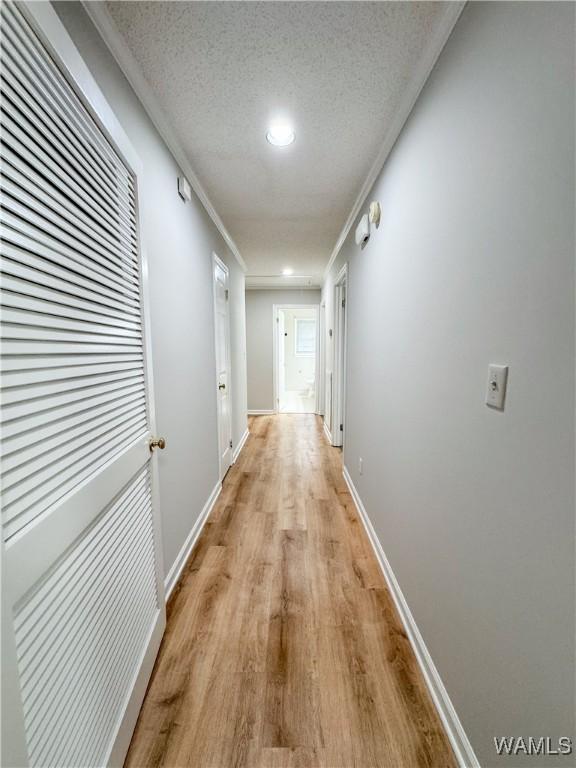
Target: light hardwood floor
[283, 647]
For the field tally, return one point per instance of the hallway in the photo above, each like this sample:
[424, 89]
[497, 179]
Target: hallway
[282, 646]
[287, 384]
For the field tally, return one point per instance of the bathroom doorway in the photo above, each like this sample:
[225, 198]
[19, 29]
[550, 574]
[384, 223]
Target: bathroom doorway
[296, 379]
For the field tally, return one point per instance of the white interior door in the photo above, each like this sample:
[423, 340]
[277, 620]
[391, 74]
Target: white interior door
[281, 329]
[339, 377]
[82, 588]
[321, 363]
[222, 328]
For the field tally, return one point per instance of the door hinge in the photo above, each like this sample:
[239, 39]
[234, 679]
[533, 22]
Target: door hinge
[226, 293]
[343, 302]
[341, 427]
[230, 443]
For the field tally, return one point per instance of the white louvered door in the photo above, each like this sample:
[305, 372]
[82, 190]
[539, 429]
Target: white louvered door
[83, 602]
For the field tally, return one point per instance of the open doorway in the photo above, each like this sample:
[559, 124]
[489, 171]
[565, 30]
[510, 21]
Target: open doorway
[296, 355]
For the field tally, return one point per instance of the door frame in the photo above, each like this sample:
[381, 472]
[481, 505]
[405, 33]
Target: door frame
[53, 34]
[276, 356]
[340, 358]
[321, 391]
[217, 261]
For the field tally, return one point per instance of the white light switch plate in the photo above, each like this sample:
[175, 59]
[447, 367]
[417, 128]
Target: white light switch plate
[496, 391]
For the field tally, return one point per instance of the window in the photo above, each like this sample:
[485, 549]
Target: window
[305, 337]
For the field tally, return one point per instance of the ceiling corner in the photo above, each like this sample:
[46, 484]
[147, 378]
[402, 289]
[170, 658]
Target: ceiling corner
[427, 62]
[117, 46]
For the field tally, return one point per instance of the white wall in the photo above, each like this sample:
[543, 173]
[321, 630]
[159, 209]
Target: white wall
[299, 369]
[260, 341]
[474, 263]
[180, 239]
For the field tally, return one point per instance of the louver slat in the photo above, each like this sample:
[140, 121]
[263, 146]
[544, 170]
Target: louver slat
[73, 389]
[75, 484]
[82, 644]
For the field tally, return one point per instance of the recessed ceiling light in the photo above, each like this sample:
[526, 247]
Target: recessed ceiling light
[287, 271]
[280, 134]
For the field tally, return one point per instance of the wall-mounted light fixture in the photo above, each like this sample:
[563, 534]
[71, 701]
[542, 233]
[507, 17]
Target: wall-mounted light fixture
[363, 231]
[184, 189]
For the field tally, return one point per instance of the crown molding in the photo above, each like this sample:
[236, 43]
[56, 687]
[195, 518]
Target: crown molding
[107, 29]
[118, 47]
[427, 62]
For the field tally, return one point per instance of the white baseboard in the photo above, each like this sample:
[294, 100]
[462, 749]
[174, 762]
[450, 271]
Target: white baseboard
[261, 413]
[174, 573]
[454, 730]
[240, 445]
[327, 433]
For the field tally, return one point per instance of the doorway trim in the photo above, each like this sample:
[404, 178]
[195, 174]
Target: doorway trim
[338, 424]
[321, 389]
[217, 262]
[276, 351]
[54, 36]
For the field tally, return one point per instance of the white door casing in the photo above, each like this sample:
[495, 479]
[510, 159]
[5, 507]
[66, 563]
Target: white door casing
[321, 389]
[82, 589]
[278, 350]
[338, 423]
[281, 357]
[328, 402]
[223, 377]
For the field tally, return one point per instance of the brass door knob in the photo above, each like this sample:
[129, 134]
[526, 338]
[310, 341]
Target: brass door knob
[221, 386]
[157, 442]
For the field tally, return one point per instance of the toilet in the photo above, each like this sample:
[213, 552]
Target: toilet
[311, 385]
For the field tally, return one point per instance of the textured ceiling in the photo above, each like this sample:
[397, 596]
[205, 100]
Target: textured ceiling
[222, 70]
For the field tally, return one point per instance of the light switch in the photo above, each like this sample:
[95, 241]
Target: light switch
[496, 392]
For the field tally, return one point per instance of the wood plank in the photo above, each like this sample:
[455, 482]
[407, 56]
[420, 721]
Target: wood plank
[283, 648]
